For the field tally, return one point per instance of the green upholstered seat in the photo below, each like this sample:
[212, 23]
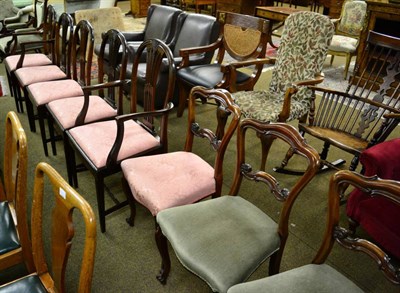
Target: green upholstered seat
[253, 237]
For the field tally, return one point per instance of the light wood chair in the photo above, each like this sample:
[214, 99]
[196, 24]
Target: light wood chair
[66, 200]
[15, 244]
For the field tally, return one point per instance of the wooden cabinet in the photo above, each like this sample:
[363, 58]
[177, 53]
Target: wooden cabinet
[238, 6]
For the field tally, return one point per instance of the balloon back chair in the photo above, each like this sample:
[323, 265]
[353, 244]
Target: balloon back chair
[183, 177]
[301, 55]
[244, 39]
[364, 114]
[319, 276]
[348, 30]
[103, 145]
[224, 240]
[15, 244]
[66, 202]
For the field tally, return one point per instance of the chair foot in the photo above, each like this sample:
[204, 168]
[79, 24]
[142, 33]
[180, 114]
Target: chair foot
[130, 221]
[161, 277]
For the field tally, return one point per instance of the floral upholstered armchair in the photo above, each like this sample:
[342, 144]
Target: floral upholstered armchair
[348, 29]
[301, 55]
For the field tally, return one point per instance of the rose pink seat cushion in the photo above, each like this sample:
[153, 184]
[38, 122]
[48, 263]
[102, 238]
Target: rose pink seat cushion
[44, 92]
[97, 139]
[34, 74]
[162, 181]
[35, 59]
[67, 110]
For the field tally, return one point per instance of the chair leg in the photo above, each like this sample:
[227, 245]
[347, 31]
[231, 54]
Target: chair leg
[354, 163]
[30, 112]
[52, 138]
[162, 246]
[41, 117]
[275, 262]
[99, 181]
[266, 142]
[346, 68]
[183, 96]
[70, 162]
[131, 201]
[332, 57]
[325, 150]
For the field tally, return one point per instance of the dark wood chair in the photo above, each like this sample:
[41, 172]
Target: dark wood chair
[66, 202]
[244, 38]
[224, 240]
[183, 177]
[103, 145]
[46, 31]
[79, 70]
[360, 117]
[319, 276]
[15, 244]
[102, 101]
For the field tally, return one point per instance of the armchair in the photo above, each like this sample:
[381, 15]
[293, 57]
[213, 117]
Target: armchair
[12, 17]
[224, 240]
[103, 145]
[244, 38]
[320, 277]
[347, 31]
[207, 31]
[362, 116]
[378, 215]
[66, 202]
[15, 244]
[301, 55]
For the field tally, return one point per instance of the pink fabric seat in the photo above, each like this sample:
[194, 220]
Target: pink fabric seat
[44, 92]
[34, 59]
[136, 140]
[67, 110]
[180, 178]
[34, 74]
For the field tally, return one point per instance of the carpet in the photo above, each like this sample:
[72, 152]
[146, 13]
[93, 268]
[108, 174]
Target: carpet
[4, 91]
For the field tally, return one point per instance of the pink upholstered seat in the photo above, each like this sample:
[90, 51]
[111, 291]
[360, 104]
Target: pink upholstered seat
[44, 92]
[167, 180]
[67, 110]
[136, 140]
[34, 59]
[29, 75]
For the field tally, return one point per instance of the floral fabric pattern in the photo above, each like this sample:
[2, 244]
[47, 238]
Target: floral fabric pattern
[352, 18]
[301, 54]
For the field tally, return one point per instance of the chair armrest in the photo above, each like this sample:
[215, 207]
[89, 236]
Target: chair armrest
[113, 155]
[24, 46]
[241, 64]
[186, 52]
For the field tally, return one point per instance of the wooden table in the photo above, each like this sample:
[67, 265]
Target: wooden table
[276, 15]
[198, 3]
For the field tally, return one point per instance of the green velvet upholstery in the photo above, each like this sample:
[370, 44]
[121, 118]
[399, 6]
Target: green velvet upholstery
[309, 278]
[8, 232]
[253, 237]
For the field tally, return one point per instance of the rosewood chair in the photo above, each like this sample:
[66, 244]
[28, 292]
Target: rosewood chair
[378, 215]
[319, 276]
[359, 117]
[224, 240]
[301, 55]
[172, 179]
[66, 201]
[103, 145]
[348, 29]
[15, 244]
[79, 66]
[244, 38]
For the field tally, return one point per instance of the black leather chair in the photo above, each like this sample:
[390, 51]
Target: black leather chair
[160, 24]
[192, 30]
